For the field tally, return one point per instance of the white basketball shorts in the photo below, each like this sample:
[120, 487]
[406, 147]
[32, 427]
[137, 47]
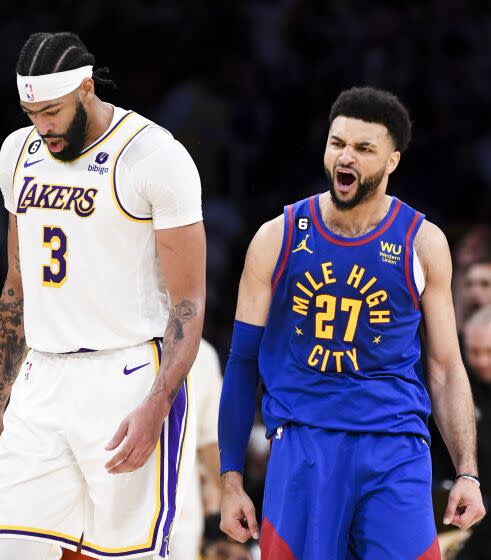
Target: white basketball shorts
[64, 409]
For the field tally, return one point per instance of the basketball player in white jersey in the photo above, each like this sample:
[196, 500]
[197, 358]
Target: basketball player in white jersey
[106, 282]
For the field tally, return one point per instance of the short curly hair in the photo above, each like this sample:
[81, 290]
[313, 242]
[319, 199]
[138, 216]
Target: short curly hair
[377, 106]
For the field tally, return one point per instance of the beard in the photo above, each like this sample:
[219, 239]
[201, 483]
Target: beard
[74, 137]
[366, 190]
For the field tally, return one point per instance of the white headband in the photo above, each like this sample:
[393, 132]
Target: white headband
[51, 86]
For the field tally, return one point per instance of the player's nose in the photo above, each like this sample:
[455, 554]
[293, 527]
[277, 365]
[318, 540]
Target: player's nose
[346, 155]
[42, 124]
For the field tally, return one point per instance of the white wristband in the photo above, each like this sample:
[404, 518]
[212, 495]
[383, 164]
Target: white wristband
[468, 477]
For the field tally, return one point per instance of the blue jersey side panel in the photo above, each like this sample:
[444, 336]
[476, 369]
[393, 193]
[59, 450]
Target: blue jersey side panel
[341, 347]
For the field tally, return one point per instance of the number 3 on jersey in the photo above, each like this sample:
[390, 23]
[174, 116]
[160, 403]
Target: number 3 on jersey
[54, 274]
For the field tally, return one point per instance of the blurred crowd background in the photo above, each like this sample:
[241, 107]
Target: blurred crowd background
[247, 85]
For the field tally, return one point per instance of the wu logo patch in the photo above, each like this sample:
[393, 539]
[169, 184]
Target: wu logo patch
[302, 246]
[391, 248]
[390, 252]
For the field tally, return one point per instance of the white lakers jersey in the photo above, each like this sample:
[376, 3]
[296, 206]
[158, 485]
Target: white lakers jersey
[88, 259]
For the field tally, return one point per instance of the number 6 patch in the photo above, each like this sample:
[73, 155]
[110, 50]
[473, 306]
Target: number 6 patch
[302, 223]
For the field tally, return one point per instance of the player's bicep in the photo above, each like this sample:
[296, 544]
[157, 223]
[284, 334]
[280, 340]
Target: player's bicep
[182, 257]
[442, 346]
[169, 180]
[255, 289]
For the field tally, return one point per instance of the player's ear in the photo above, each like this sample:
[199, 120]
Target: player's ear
[87, 90]
[393, 162]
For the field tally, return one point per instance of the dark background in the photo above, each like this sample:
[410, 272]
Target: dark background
[247, 86]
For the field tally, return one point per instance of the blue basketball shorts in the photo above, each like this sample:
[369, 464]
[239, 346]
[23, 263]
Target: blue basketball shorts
[347, 496]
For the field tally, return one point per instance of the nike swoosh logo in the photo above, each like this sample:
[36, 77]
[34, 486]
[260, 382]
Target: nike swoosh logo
[128, 371]
[29, 163]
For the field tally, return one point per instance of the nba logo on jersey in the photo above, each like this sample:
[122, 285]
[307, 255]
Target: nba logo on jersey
[28, 370]
[279, 433]
[29, 92]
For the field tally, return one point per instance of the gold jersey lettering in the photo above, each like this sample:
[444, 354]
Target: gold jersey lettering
[368, 285]
[306, 291]
[338, 356]
[321, 357]
[313, 283]
[356, 275]
[376, 298]
[352, 356]
[300, 305]
[380, 316]
[327, 271]
[317, 349]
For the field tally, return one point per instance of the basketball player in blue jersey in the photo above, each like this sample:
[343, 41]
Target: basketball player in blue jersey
[331, 300]
[106, 286]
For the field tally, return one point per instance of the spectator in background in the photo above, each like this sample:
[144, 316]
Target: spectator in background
[473, 248]
[477, 349]
[206, 386]
[225, 549]
[477, 286]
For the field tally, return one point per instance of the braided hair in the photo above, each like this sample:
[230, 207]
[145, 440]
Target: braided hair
[47, 53]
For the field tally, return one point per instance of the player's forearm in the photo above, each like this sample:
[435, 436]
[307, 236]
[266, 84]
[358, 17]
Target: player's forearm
[210, 457]
[453, 410]
[12, 340]
[179, 349]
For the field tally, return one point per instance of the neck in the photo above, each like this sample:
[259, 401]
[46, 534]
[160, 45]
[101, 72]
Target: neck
[99, 118]
[357, 221]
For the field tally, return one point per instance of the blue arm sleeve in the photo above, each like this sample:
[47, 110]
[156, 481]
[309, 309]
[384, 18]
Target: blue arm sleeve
[238, 400]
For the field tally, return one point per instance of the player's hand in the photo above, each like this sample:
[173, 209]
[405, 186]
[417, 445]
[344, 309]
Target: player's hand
[238, 512]
[140, 431]
[465, 505]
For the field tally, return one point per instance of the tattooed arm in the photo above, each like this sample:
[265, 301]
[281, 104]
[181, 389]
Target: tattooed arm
[181, 253]
[12, 341]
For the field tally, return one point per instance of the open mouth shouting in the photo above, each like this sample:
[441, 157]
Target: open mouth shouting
[345, 179]
[55, 145]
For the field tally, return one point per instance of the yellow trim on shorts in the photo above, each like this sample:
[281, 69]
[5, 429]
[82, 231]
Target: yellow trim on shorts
[148, 544]
[39, 533]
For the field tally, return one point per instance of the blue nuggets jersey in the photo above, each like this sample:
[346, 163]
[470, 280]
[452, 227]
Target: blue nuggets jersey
[341, 347]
